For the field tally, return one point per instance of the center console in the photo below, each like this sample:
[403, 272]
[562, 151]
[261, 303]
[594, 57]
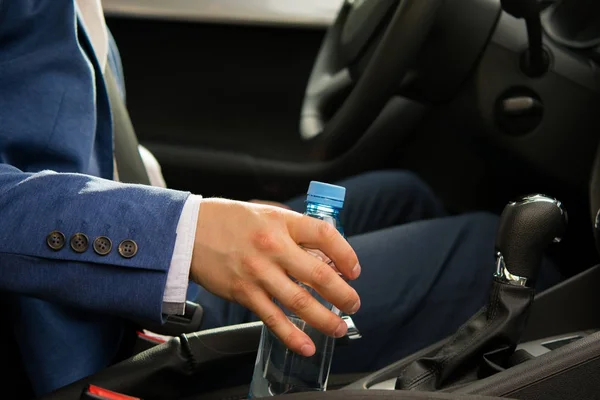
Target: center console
[560, 348]
[560, 356]
[526, 351]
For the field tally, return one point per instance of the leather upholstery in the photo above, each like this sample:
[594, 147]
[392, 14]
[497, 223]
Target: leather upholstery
[495, 328]
[189, 364]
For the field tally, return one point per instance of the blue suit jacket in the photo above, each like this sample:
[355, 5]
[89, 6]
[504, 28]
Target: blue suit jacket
[55, 116]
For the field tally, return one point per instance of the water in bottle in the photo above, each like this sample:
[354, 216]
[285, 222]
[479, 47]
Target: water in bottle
[279, 370]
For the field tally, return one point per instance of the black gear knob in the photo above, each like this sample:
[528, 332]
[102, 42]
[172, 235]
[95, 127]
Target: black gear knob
[527, 227]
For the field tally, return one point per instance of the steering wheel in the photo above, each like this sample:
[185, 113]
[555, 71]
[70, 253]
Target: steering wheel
[364, 57]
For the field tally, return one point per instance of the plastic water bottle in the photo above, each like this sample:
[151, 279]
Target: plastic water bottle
[279, 370]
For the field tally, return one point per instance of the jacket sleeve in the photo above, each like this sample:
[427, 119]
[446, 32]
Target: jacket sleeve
[32, 205]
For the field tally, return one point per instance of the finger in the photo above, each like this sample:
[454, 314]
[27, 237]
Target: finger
[255, 299]
[300, 302]
[314, 233]
[322, 277]
[321, 256]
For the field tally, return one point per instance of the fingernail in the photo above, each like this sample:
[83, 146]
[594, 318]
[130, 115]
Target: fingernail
[341, 330]
[355, 307]
[307, 350]
[356, 270]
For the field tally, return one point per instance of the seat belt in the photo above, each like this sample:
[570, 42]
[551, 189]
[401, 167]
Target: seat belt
[129, 162]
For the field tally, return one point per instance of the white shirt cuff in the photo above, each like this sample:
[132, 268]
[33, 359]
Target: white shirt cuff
[178, 276]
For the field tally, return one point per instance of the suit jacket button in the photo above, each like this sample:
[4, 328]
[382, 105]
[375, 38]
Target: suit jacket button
[79, 242]
[56, 240]
[128, 248]
[102, 245]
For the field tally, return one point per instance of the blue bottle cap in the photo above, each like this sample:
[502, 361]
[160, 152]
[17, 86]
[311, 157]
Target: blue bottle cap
[324, 193]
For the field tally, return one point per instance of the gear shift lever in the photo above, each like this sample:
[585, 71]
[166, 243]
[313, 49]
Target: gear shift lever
[485, 342]
[526, 228]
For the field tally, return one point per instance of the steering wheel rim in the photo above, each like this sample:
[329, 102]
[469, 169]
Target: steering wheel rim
[389, 63]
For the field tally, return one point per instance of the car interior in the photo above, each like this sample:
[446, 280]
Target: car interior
[494, 103]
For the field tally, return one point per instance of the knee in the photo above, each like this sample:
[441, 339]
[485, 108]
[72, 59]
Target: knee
[403, 184]
[395, 183]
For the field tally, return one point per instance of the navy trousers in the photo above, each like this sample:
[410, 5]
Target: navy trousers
[424, 272]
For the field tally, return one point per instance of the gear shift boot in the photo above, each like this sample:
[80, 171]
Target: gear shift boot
[496, 329]
[486, 343]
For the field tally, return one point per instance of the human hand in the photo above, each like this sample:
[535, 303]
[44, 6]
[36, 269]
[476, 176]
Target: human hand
[270, 203]
[247, 252]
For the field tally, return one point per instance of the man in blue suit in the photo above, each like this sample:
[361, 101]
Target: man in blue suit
[80, 253]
